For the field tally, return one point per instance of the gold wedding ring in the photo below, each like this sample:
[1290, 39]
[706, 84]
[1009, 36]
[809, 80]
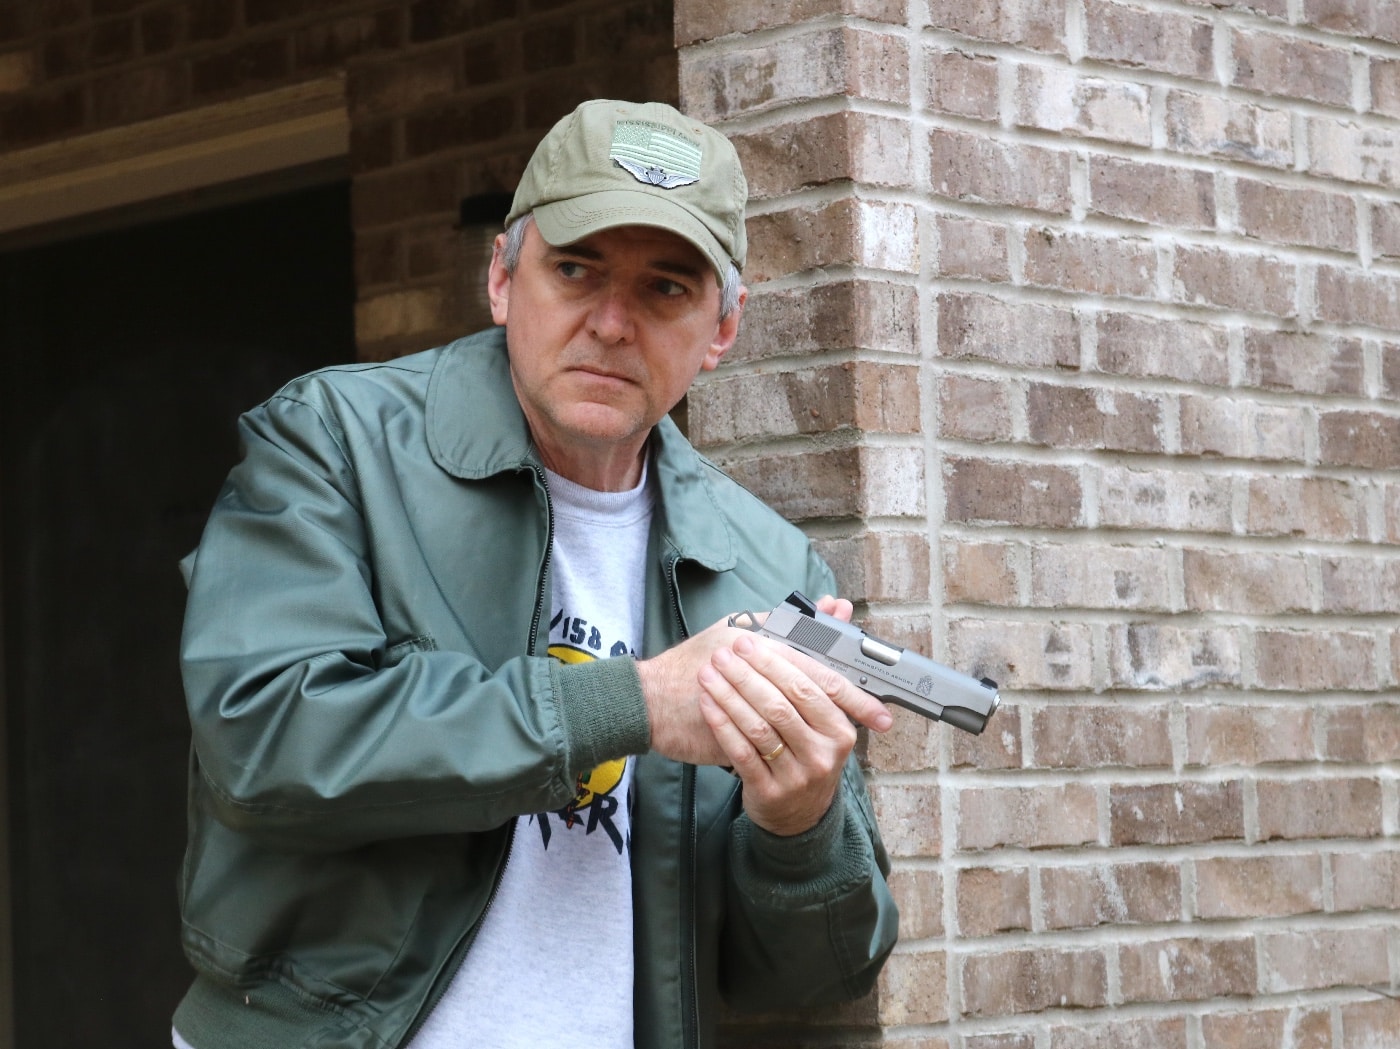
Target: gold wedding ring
[774, 752]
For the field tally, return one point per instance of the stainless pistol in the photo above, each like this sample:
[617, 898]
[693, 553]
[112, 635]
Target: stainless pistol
[886, 671]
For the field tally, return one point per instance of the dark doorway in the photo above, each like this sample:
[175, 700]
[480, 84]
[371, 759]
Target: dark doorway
[125, 358]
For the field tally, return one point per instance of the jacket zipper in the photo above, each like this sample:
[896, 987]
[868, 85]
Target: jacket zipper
[540, 596]
[690, 1019]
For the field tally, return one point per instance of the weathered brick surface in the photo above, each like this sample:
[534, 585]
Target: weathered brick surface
[1028, 981]
[1187, 969]
[1111, 894]
[1258, 886]
[1177, 813]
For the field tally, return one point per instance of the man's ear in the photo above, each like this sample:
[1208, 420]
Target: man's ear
[498, 282]
[725, 333]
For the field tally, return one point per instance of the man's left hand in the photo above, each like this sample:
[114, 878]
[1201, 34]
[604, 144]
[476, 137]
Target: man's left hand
[781, 718]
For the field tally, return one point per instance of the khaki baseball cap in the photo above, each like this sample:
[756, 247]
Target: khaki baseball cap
[611, 164]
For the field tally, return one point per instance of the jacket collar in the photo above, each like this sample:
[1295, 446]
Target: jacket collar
[475, 429]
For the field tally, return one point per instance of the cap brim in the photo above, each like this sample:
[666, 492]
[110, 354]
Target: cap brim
[563, 222]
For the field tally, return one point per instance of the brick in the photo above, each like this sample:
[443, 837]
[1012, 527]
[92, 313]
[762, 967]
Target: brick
[880, 235]
[847, 315]
[399, 313]
[1347, 151]
[1381, 726]
[375, 89]
[880, 566]
[1390, 370]
[1303, 363]
[19, 71]
[1211, 126]
[377, 260]
[245, 67]
[1101, 576]
[397, 196]
[1356, 297]
[1359, 438]
[1135, 1033]
[335, 43]
[912, 744]
[1035, 25]
[1023, 655]
[1217, 736]
[1295, 961]
[981, 327]
[64, 55]
[139, 93]
[159, 30]
[1008, 492]
[1051, 816]
[1359, 584]
[999, 747]
[1342, 730]
[1366, 881]
[1097, 417]
[1161, 500]
[373, 146]
[816, 151]
[980, 169]
[1353, 17]
[1115, 265]
[1001, 1040]
[1385, 230]
[909, 818]
[873, 398]
[707, 20]
[1166, 41]
[1154, 348]
[918, 892]
[1111, 894]
[210, 20]
[1321, 508]
[1314, 661]
[40, 116]
[1246, 581]
[972, 248]
[819, 63]
[1290, 215]
[1369, 1024]
[435, 19]
[843, 482]
[1187, 969]
[111, 42]
[1032, 980]
[972, 409]
[1062, 101]
[1385, 85]
[1097, 736]
[1258, 886]
[961, 84]
[1176, 813]
[1157, 194]
[1278, 64]
[992, 900]
[982, 573]
[1155, 657]
[1244, 429]
[1297, 1027]
[455, 123]
[913, 988]
[1319, 808]
[1234, 280]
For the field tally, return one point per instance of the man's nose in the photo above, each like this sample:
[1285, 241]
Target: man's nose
[610, 320]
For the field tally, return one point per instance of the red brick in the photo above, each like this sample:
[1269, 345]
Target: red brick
[1298, 1027]
[1258, 886]
[1032, 980]
[1023, 655]
[972, 248]
[335, 43]
[1212, 126]
[707, 19]
[1390, 370]
[816, 151]
[242, 68]
[1319, 808]
[1000, 1040]
[983, 573]
[999, 747]
[1304, 363]
[1009, 492]
[913, 743]
[1157, 194]
[1089, 736]
[992, 900]
[1234, 280]
[1111, 894]
[1296, 961]
[841, 233]
[1276, 64]
[1187, 969]
[412, 193]
[1359, 584]
[1246, 581]
[1165, 41]
[918, 892]
[1358, 438]
[909, 818]
[1353, 17]
[1321, 508]
[972, 409]
[913, 988]
[1369, 1024]
[843, 316]
[1219, 735]
[880, 566]
[1385, 85]
[140, 93]
[1133, 1033]
[1100, 576]
[1290, 215]
[1315, 660]
[981, 169]
[1063, 101]
[1385, 229]
[961, 84]
[1161, 500]
[1366, 881]
[1039, 26]
[842, 482]
[1355, 297]
[1114, 265]
[1176, 813]
[1245, 429]
[1027, 817]
[1381, 727]
[1154, 348]
[1342, 730]
[1341, 149]
[1098, 418]
[1020, 334]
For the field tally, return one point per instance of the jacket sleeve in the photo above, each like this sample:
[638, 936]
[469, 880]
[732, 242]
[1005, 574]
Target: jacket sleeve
[309, 729]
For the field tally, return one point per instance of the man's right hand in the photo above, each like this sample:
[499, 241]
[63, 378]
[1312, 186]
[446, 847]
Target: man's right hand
[671, 687]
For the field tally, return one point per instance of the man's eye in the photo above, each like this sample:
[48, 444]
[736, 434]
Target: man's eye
[670, 287]
[571, 270]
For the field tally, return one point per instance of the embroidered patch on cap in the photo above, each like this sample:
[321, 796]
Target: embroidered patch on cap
[655, 154]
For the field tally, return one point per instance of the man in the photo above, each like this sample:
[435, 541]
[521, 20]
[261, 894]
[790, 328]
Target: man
[477, 758]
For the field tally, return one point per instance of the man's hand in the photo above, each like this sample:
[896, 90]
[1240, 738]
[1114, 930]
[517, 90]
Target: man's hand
[784, 723]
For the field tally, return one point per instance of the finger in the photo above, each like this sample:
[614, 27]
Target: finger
[737, 744]
[851, 701]
[836, 607]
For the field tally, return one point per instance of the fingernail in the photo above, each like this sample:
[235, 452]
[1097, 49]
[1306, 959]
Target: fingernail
[744, 646]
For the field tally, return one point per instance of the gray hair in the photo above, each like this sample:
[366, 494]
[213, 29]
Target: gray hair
[515, 241]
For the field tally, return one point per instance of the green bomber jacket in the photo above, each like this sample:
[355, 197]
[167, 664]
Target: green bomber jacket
[372, 704]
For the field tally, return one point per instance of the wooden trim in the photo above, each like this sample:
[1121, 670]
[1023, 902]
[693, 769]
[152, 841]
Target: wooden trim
[288, 128]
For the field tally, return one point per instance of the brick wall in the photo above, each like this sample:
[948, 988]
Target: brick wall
[1075, 339]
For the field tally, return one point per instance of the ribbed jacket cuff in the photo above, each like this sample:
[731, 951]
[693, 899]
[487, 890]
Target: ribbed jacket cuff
[602, 709]
[817, 864]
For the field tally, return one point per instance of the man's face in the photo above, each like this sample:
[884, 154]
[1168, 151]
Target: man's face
[605, 337]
